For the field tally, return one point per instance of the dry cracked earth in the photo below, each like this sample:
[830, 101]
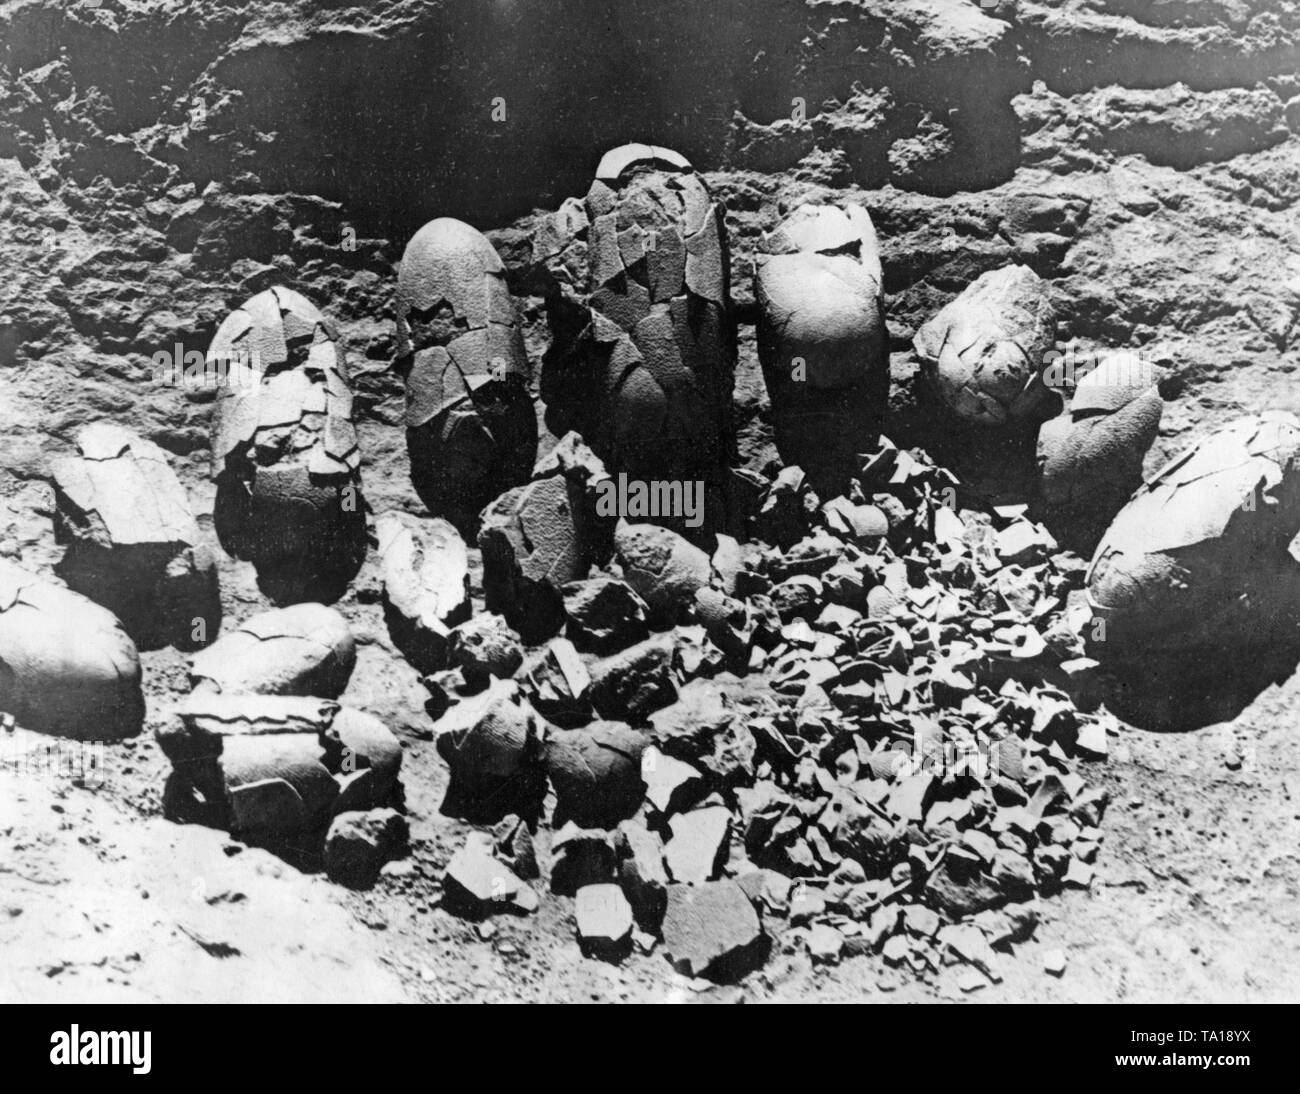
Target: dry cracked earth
[163, 161]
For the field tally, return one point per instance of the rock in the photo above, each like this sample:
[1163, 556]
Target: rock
[696, 654]
[482, 648]
[557, 683]
[358, 845]
[68, 666]
[1090, 457]
[1092, 741]
[476, 884]
[445, 687]
[596, 773]
[825, 944]
[539, 537]
[284, 449]
[768, 818]
[1007, 926]
[641, 363]
[515, 847]
[579, 857]
[821, 334]
[1054, 962]
[1023, 543]
[882, 603]
[727, 561]
[729, 629]
[767, 890]
[968, 943]
[699, 844]
[798, 597]
[806, 904]
[604, 921]
[1078, 875]
[425, 569]
[276, 785]
[812, 554]
[663, 568]
[712, 930]
[133, 544]
[787, 509]
[642, 873]
[269, 766]
[897, 949]
[306, 649]
[911, 797]
[492, 747]
[958, 891]
[704, 728]
[920, 920]
[1170, 569]
[864, 835]
[986, 350]
[845, 584]
[366, 756]
[204, 719]
[632, 685]
[670, 785]
[863, 523]
[471, 432]
[605, 614]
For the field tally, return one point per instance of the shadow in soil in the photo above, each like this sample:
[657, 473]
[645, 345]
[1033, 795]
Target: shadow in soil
[996, 465]
[1193, 689]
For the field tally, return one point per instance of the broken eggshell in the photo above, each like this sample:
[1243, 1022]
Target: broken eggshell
[821, 334]
[1199, 554]
[67, 667]
[471, 430]
[1090, 457]
[133, 544]
[274, 765]
[305, 649]
[538, 537]
[425, 569]
[641, 364]
[284, 449]
[596, 773]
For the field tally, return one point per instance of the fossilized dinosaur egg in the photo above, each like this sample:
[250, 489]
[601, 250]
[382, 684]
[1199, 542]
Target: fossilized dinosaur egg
[821, 333]
[284, 449]
[539, 536]
[270, 765]
[278, 783]
[492, 745]
[470, 425]
[66, 665]
[985, 351]
[1199, 551]
[596, 773]
[304, 649]
[1090, 457]
[133, 544]
[663, 568]
[642, 363]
